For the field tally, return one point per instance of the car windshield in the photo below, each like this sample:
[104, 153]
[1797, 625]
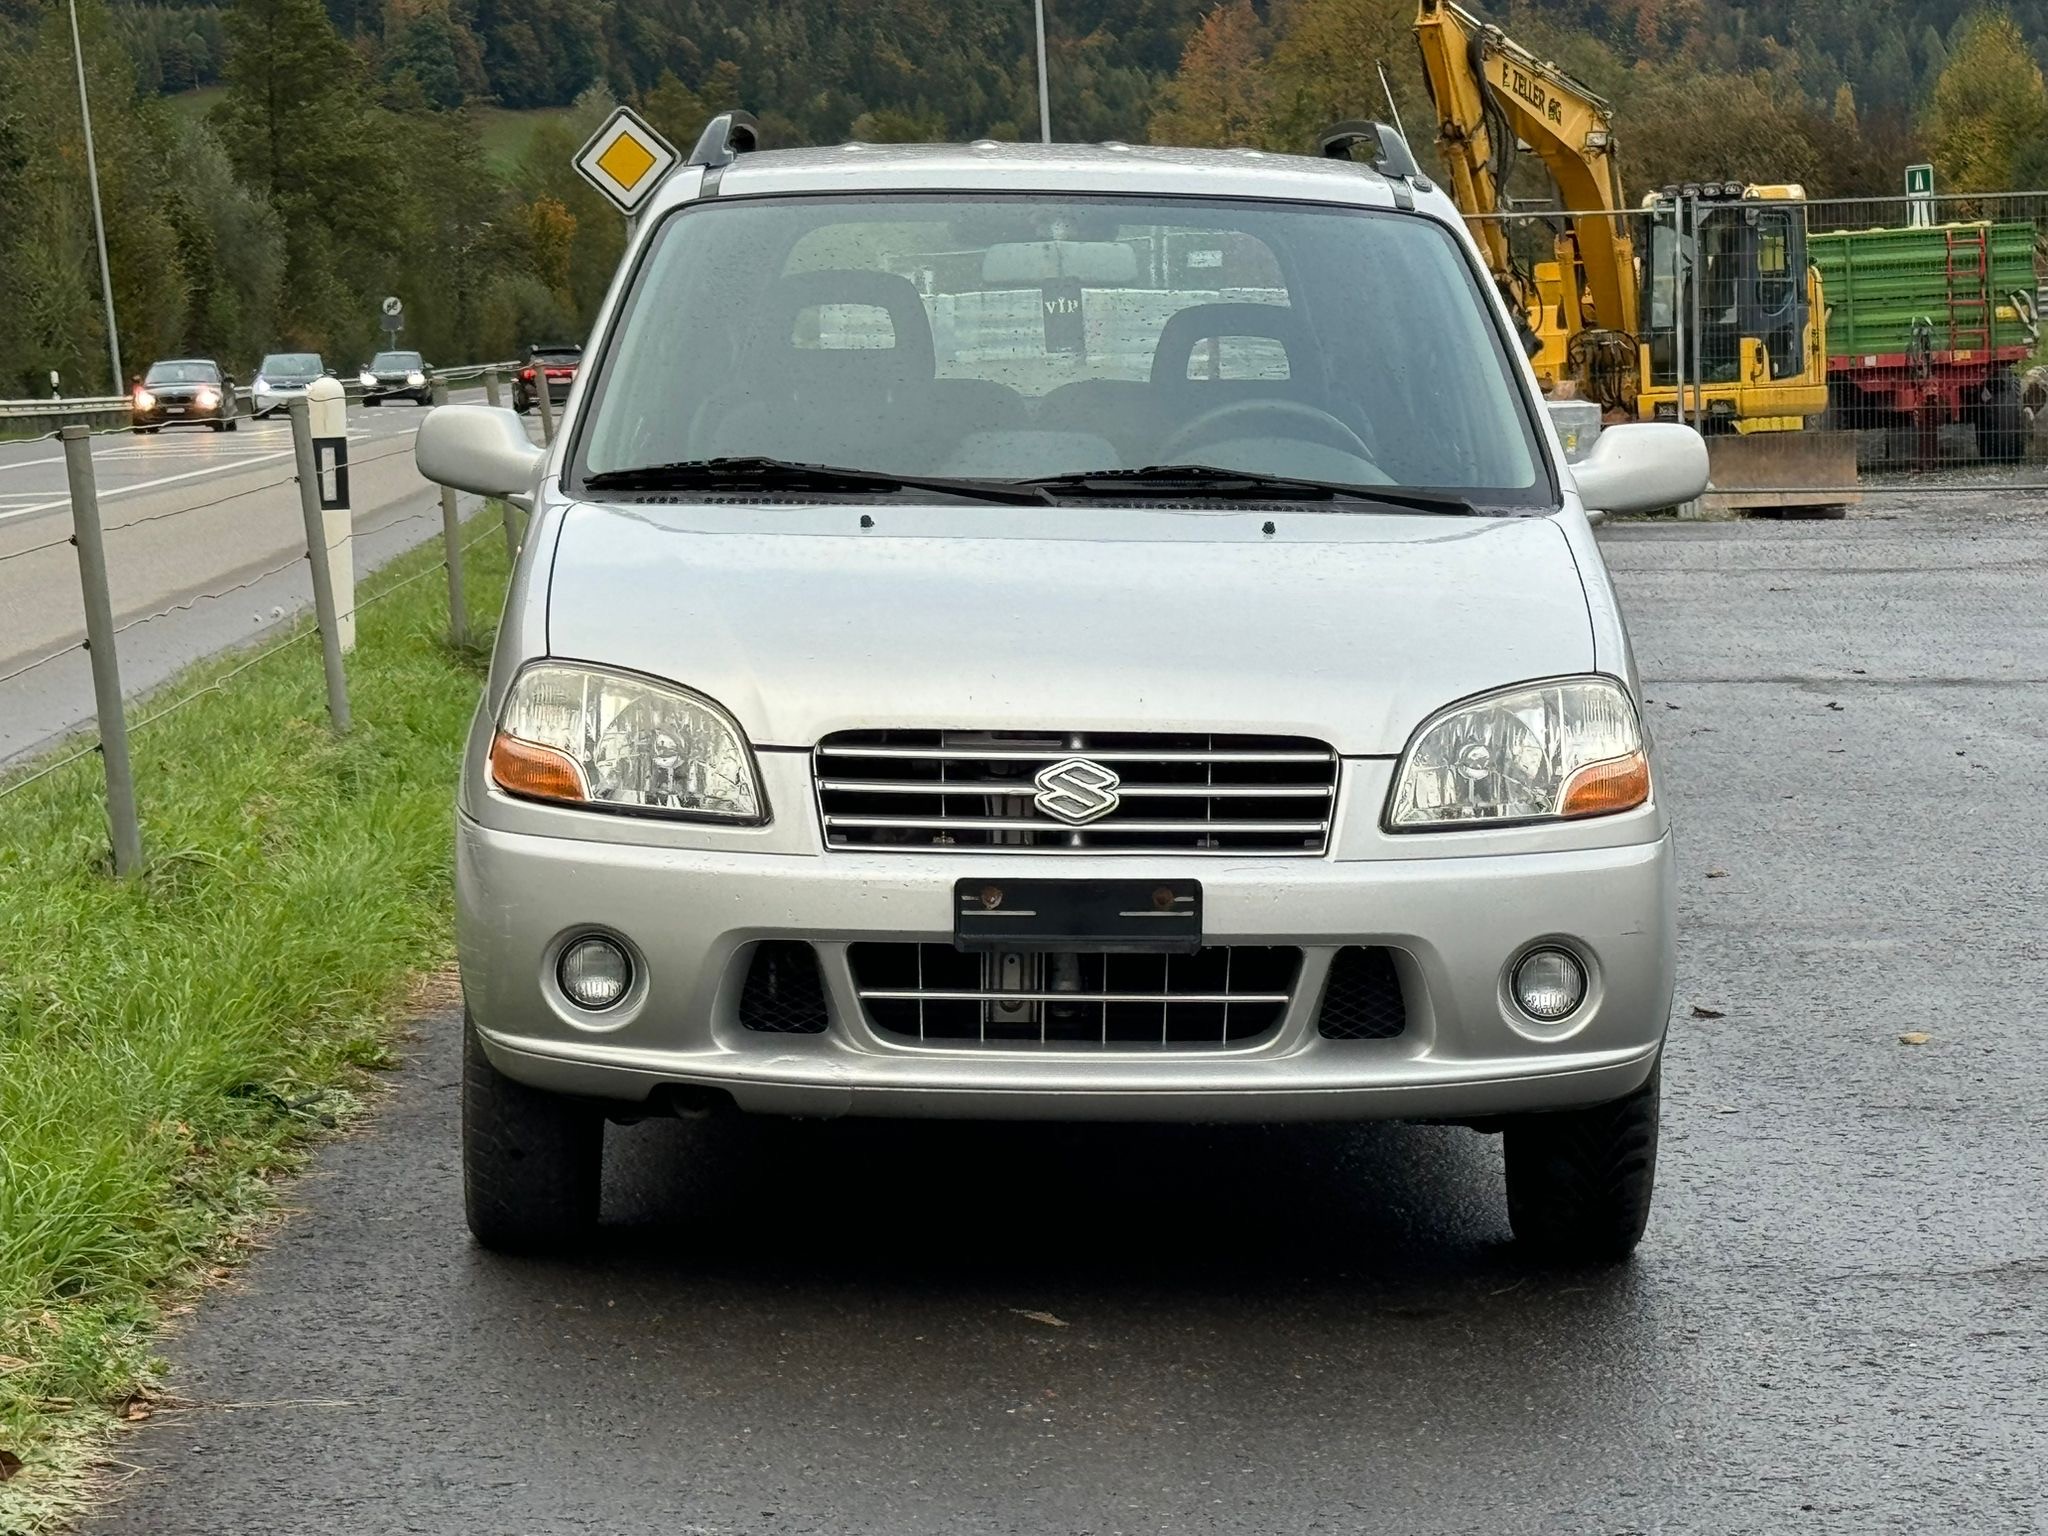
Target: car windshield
[1014, 338]
[395, 362]
[182, 373]
[292, 365]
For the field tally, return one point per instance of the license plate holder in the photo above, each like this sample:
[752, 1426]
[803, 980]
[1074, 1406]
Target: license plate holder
[1084, 916]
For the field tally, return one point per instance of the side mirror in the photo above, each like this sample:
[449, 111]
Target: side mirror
[478, 448]
[1642, 467]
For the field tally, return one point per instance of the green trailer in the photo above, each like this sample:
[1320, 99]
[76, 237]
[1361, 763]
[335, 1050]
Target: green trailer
[1925, 326]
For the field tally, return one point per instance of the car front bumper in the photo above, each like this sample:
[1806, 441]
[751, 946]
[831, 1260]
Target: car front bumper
[692, 917]
[265, 401]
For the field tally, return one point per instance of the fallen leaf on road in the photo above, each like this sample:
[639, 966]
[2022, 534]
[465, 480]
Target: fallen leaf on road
[1833, 705]
[137, 1408]
[1707, 1013]
[9, 1465]
[1717, 874]
[1915, 1037]
[1041, 1317]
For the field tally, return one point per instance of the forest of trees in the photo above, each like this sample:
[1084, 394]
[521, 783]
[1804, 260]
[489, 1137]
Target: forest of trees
[344, 158]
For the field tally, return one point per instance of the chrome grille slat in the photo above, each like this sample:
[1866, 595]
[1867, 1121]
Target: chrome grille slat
[1054, 753]
[1128, 791]
[1177, 792]
[912, 994]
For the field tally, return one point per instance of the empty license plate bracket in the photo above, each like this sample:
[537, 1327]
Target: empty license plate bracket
[1085, 916]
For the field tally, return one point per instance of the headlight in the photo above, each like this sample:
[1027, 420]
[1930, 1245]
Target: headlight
[1538, 752]
[367, 379]
[415, 378]
[144, 400]
[259, 382]
[206, 399]
[614, 741]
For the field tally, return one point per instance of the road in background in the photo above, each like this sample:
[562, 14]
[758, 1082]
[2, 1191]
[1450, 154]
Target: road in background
[1838, 1321]
[189, 514]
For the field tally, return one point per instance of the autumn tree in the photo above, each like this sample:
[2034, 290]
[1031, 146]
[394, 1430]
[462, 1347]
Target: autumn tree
[1990, 108]
[1222, 94]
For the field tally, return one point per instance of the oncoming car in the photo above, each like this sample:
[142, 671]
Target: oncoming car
[395, 376]
[188, 391]
[1063, 632]
[283, 378]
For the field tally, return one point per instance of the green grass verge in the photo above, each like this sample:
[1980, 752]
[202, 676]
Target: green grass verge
[168, 1046]
[505, 132]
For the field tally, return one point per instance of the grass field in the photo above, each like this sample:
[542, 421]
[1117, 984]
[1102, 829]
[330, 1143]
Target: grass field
[169, 1045]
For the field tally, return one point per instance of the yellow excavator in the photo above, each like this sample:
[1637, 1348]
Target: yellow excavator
[1717, 318]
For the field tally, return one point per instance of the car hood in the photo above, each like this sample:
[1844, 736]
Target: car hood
[1348, 627]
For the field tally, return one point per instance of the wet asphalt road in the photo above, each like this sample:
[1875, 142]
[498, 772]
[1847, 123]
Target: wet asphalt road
[1838, 1321]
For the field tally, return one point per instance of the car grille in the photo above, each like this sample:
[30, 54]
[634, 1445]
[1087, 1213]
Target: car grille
[936, 994]
[1362, 1000]
[951, 791]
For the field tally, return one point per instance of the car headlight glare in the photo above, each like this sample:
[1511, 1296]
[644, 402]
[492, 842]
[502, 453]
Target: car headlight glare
[616, 741]
[144, 400]
[1539, 752]
[259, 382]
[367, 379]
[415, 378]
[206, 399]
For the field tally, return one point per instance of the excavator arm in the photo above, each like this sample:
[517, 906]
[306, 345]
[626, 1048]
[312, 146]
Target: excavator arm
[1489, 92]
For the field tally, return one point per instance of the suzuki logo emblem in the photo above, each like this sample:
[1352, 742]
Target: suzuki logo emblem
[1076, 790]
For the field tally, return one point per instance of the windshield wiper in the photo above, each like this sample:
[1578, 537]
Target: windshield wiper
[1178, 480]
[766, 474]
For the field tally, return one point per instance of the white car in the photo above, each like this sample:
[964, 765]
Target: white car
[1076, 632]
[283, 378]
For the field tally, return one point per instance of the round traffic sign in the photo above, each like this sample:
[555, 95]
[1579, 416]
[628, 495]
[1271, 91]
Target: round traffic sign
[391, 305]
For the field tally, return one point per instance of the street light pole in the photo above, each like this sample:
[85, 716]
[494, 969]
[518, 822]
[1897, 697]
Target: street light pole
[99, 223]
[1044, 97]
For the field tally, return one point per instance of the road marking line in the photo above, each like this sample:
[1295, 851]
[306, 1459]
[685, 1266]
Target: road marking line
[109, 492]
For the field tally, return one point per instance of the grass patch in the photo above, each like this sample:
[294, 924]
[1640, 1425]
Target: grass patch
[169, 1046]
[505, 132]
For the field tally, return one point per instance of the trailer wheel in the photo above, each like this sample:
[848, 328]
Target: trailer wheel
[2001, 420]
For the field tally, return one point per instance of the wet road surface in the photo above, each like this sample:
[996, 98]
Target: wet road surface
[1838, 1320]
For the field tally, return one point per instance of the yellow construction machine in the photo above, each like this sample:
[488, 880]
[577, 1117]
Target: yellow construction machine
[1699, 304]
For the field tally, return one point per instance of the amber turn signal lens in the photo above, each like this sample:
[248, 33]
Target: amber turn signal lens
[1601, 789]
[536, 772]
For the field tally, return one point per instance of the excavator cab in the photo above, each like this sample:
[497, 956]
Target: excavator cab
[1727, 304]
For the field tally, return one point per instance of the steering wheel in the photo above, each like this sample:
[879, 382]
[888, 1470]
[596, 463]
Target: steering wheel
[1290, 418]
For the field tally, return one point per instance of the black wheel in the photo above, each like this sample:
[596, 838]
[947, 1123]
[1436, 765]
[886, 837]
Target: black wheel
[520, 405]
[218, 425]
[369, 400]
[2000, 420]
[1580, 1180]
[531, 1161]
[234, 423]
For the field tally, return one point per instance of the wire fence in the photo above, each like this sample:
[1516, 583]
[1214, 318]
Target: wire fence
[330, 540]
[1831, 349]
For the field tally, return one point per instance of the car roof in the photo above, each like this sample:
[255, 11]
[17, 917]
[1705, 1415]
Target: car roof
[988, 166]
[167, 362]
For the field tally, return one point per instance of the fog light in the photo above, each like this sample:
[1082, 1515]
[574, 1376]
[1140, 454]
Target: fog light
[594, 973]
[1549, 984]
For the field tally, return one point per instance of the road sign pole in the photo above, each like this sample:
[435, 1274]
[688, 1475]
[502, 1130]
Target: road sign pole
[99, 647]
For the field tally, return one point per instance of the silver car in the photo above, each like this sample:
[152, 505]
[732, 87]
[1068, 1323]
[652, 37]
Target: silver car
[1061, 633]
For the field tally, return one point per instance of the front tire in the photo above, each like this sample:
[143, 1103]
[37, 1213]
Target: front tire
[2000, 420]
[532, 1162]
[1580, 1180]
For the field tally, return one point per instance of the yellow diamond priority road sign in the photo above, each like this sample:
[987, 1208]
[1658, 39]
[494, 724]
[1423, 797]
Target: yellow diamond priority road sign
[626, 160]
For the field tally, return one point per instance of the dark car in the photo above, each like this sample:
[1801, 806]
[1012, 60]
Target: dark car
[185, 391]
[396, 376]
[557, 364]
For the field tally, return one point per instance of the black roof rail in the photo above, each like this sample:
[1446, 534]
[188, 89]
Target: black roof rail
[725, 138]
